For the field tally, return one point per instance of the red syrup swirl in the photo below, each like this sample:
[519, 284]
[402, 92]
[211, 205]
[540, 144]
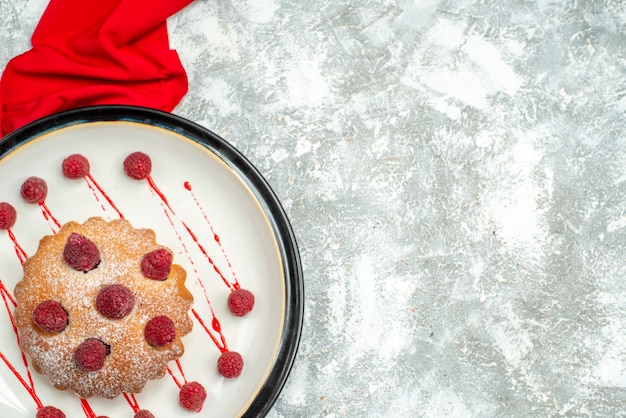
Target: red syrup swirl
[30, 384]
[95, 188]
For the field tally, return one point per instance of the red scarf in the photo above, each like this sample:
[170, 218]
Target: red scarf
[92, 52]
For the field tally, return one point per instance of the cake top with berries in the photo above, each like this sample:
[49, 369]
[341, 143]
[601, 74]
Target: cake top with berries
[92, 318]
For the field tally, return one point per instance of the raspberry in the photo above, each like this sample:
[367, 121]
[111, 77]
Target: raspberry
[34, 190]
[160, 331]
[192, 396]
[90, 354]
[80, 253]
[138, 165]
[75, 166]
[157, 264]
[49, 412]
[240, 302]
[144, 413]
[115, 301]
[230, 364]
[8, 215]
[50, 316]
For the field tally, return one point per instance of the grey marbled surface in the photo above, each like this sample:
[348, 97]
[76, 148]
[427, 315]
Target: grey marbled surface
[455, 173]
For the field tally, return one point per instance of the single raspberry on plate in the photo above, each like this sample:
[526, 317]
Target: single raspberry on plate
[8, 215]
[240, 301]
[160, 331]
[75, 166]
[115, 301]
[49, 412]
[90, 354]
[138, 165]
[80, 253]
[144, 413]
[192, 396]
[50, 316]
[230, 364]
[34, 190]
[157, 264]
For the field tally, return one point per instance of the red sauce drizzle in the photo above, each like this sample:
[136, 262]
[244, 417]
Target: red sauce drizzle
[169, 213]
[47, 214]
[235, 284]
[19, 251]
[89, 413]
[208, 257]
[132, 401]
[180, 369]
[7, 295]
[215, 323]
[222, 347]
[180, 385]
[29, 389]
[30, 385]
[156, 190]
[182, 373]
[93, 186]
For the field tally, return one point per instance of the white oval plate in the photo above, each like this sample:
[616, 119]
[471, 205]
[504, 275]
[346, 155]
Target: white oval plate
[228, 198]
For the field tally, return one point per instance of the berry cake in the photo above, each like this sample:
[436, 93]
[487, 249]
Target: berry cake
[101, 308]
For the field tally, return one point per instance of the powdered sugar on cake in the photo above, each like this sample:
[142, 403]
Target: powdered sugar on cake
[131, 361]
